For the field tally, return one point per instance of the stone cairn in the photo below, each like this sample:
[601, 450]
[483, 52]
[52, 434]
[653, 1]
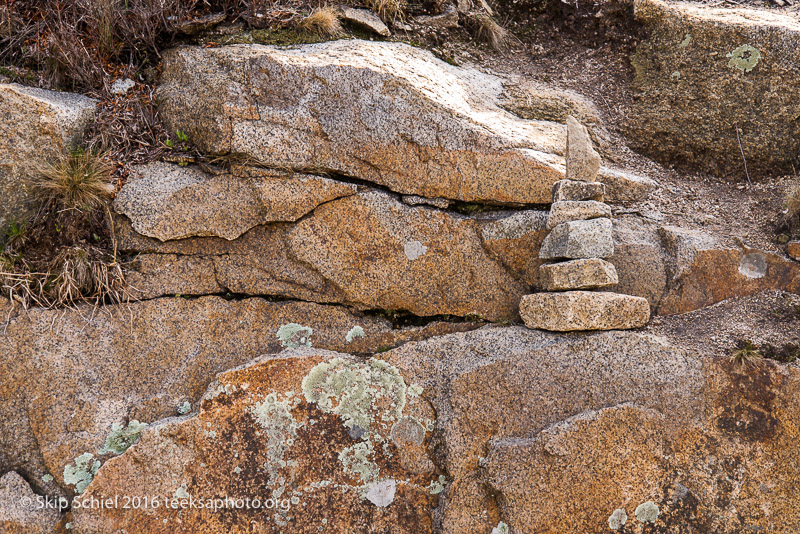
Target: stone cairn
[579, 242]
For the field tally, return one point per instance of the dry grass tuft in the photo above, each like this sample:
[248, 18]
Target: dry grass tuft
[323, 21]
[388, 10]
[746, 355]
[489, 31]
[79, 180]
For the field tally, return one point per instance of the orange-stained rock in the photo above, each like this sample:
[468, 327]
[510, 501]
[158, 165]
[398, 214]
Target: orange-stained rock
[338, 445]
[705, 269]
[793, 249]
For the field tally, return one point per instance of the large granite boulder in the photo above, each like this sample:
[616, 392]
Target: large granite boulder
[68, 376]
[37, 126]
[388, 113]
[716, 86]
[554, 433]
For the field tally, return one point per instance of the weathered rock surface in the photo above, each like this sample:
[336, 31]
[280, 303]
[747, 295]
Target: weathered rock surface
[793, 250]
[632, 420]
[19, 511]
[82, 372]
[167, 201]
[583, 310]
[573, 210]
[37, 126]
[572, 190]
[368, 250]
[340, 444]
[640, 259]
[514, 241]
[706, 73]
[383, 112]
[365, 19]
[583, 162]
[579, 239]
[577, 274]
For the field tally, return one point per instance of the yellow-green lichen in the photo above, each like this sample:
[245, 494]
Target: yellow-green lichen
[357, 392]
[294, 335]
[501, 528]
[279, 429]
[82, 473]
[436, 487]
[47, 478]
[358, 460]
[122, 437]
[744, 58]
[687, 40]
[185, 408]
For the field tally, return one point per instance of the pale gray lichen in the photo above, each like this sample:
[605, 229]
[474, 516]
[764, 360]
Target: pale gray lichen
[414, 249]
[617, 519]
[381, 493]
[279, 430]
[436, 487]
[122, 437]
[744, 58]
[354, 333]
[185, 408]
[47, 478]
[181, 493]
[82, 473]
[501, 528]
[294, 335]
[647, 512]
[687, 40]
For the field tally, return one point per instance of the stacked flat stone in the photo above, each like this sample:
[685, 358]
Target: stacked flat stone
[580, 240]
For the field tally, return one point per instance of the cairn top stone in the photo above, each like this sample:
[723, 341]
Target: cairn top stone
[583, 162]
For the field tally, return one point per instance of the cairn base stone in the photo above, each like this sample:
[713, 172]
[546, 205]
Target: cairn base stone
[579, 239]
[575, 210]
[583, 310]
[578, 274]
[572, 190]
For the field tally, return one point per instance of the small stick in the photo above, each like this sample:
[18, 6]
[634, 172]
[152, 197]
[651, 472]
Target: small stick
[743, 158]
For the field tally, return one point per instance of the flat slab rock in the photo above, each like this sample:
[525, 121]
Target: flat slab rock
[384, 112]
[579, 239]
[590, 273]
[166, 201]
[583, 310]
